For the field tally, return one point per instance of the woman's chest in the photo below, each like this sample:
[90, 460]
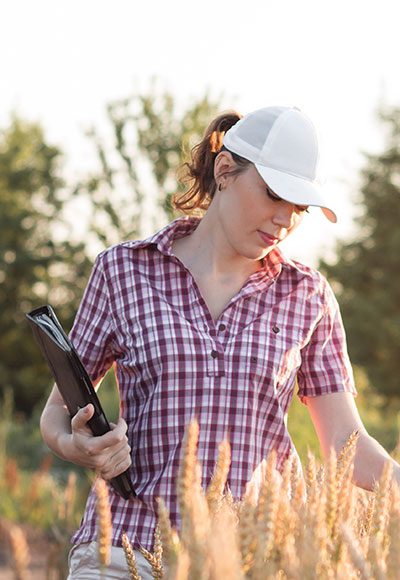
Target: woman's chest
[217, 296]
[171, 335]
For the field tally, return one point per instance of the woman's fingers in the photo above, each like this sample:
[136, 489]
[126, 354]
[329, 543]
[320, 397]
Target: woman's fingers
[115, 464]
[100, 452]
[111, 441]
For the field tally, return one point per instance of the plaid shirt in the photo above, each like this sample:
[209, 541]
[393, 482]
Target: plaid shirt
[142, 309]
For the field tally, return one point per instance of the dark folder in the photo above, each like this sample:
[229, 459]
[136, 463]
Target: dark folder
[72, 380]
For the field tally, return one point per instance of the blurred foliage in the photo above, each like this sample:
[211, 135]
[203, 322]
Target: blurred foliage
[366, 274]
[34, 268]
[148, 141]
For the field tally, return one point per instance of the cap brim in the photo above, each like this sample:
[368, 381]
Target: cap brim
[295, 189]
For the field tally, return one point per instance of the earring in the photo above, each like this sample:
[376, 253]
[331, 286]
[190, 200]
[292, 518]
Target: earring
[220, 186]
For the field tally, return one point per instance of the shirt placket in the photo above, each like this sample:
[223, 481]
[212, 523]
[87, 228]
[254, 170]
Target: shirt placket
[214, 348]
[216, 356]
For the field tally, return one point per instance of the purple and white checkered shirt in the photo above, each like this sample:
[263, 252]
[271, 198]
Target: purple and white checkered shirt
[143, 309]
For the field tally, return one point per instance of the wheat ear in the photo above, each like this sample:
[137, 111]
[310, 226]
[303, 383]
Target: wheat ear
[346, 455]
[130, 557]
[186, 474]
[247, 531]
[216, 486]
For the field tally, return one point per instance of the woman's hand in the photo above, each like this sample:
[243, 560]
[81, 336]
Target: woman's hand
[109, 454]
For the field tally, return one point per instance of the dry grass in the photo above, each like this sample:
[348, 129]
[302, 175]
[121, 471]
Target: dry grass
[20, 552]
[284, 527]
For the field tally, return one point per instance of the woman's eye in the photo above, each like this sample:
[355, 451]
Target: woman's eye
[303, 209]
[273, 195]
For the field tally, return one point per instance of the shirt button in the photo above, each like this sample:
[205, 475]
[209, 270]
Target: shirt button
[222, 327]
[214, 353]
[275, 329]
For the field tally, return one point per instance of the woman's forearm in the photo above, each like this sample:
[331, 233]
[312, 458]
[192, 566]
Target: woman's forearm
[55, 426]
[369, 461]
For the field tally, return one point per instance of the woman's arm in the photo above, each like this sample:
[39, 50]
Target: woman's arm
[72, 440]
[335, 416]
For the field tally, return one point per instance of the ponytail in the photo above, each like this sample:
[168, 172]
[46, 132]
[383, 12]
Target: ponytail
[199, 171]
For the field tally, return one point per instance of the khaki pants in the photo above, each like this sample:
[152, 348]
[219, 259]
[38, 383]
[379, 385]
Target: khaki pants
[84, 564]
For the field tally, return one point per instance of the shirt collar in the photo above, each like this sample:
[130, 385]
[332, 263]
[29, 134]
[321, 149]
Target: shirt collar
[273, 262]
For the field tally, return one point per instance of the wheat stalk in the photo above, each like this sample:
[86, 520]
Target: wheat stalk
[266, 518]
[193, 504]
[378, 545]
[223, 545]
[169, 537]
[393, 560]
[20, 552]
[69, 496]
[356, 553]
[331, 490]
[104, 522]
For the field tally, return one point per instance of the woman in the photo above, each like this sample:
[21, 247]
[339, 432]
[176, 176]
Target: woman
[208, 318]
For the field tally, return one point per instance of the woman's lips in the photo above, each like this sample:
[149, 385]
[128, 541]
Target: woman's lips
[267, 239]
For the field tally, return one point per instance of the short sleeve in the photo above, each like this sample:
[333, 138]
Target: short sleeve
[92, 332]
[326, 366]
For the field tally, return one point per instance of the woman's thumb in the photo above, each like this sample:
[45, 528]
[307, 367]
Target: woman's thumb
[82, 416]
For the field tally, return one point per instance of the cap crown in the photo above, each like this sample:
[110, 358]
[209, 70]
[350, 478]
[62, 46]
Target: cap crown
[282, 138]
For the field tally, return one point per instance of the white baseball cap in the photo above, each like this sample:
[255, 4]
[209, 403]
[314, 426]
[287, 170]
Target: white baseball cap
[282, 143]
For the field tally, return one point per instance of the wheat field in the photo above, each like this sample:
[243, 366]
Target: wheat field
[289, 527]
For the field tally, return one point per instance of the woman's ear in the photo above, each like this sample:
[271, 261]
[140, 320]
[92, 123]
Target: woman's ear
[223, 162]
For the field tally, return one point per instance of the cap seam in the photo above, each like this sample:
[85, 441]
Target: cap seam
[276, 127]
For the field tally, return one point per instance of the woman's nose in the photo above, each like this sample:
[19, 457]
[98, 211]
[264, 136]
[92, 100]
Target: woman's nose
[284, 215]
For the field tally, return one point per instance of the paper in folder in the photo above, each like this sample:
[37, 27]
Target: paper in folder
[72, 380]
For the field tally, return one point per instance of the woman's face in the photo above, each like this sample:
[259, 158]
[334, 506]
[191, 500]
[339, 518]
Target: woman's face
[248, 208]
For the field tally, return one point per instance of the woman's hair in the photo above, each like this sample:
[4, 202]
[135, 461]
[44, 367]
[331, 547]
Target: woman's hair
[199, 171]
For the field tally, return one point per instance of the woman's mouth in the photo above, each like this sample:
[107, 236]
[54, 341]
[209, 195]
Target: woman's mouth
[267, 239]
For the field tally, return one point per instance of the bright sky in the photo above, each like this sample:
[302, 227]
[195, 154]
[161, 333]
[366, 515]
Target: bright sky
[62, 62]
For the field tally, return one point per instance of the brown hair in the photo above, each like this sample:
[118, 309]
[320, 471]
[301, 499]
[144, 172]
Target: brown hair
[199, 171]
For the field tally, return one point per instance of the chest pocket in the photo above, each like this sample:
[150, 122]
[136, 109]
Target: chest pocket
[270, 350]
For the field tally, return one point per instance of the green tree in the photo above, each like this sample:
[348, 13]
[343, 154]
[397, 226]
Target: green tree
[34, 268]
[366, 275]
[150, 138]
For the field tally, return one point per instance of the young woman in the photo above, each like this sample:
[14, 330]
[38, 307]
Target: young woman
[207, 318]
